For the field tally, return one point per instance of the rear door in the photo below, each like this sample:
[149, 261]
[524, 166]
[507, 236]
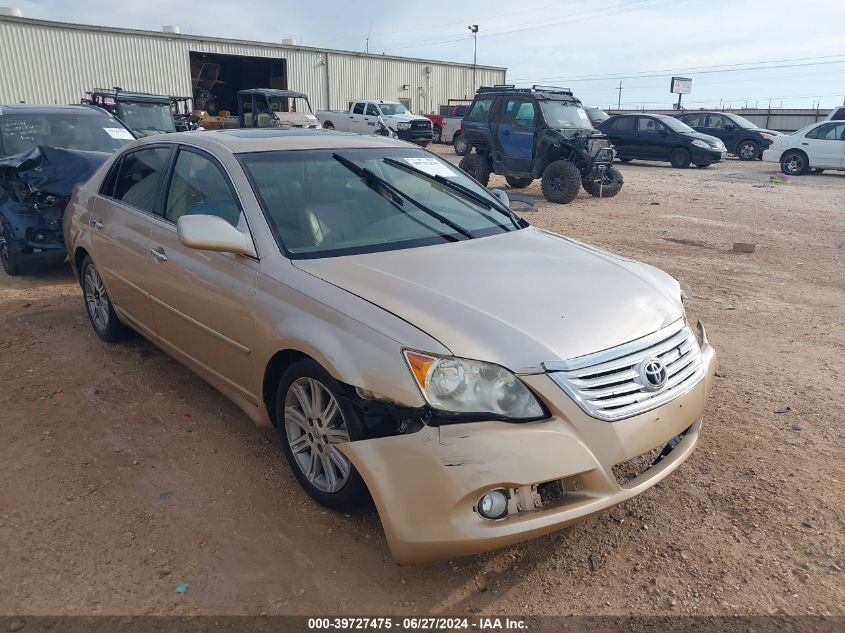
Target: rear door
[515, 132]
[121, 223]
[202, 301]
[622, 133]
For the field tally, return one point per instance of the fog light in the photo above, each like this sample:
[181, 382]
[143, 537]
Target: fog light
[493, 505]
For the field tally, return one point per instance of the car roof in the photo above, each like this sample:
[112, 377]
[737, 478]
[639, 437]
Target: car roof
[240, 141]
[28, 108]
[272, 92]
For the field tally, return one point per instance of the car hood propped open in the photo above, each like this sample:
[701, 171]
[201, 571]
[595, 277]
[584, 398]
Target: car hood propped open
[516, 299]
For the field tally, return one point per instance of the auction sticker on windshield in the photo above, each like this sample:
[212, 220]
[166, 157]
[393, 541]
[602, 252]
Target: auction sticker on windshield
[432, 167]
[118, 132]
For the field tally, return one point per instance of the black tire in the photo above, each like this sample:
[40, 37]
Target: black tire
[461, 145]
[703, 165]
[478, 167]
[608, 186]
[748, 150]
[102, 316]
[436, 134]
[818, 170]
[518, 183]
[680, 158]
[561, 182]
[625, 160]
[10, 255]
[328, 125]
[794, 163]
[353, 492]
[423, 143]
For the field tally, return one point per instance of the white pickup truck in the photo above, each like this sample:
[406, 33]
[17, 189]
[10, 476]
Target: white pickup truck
[362, 117]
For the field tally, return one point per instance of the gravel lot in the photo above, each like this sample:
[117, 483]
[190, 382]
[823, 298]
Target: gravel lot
[124, 474]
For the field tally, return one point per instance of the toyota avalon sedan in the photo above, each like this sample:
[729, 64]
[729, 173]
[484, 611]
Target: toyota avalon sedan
[412, 340]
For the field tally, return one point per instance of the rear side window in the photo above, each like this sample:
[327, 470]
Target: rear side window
[625, 124]
[358, 109]
[480, 110]
[140, 177]
[199, 186]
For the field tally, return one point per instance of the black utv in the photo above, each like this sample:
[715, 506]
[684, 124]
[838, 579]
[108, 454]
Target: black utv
[540, 132]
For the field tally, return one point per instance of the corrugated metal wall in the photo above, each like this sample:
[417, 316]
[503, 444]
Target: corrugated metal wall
[55, 63]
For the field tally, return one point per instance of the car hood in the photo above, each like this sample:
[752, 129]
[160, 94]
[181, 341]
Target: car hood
[765, 131]
[712, 140]
[404, 118]
[516, 299]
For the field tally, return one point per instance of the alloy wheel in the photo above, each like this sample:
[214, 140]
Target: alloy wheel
[793, 164]
[96, 298]
[314, 426]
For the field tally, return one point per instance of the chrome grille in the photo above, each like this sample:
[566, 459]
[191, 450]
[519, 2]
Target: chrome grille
[610, 385]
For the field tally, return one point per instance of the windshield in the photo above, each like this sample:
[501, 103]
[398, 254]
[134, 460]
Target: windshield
[741, 121]
[597, 115]
[290, 104]
[564, 114]
[317, 206]
[89, 132]
[676, 125]
[390, 109]
[146, 118]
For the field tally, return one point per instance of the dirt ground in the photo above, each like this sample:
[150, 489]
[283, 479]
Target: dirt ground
[124, 474]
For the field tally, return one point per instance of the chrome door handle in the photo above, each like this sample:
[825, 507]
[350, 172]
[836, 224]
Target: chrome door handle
[159, 254]
[98, 224]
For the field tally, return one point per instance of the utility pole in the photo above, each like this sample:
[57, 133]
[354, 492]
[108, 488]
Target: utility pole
[367, 43]
[619, 101]
[474, 30]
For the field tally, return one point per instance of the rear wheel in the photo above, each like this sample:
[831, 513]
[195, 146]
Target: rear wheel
[748, 150]
[98, 305]
[561, 182]
[313, 420]
[462, 147]
[478, 167]
[436, 134]
[605, 185]
[518, 183]
[10, 255]
[794, 163]
[680, 158]
[328, 125]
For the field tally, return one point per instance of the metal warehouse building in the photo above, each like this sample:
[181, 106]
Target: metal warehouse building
[53, 62]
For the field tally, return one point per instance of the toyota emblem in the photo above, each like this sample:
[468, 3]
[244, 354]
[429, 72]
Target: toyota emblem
[652, 373]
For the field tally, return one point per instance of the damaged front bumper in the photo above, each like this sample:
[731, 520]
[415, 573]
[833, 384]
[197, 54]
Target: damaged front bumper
[426, 485]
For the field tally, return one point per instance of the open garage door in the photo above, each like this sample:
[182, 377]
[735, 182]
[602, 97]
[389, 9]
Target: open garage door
[217, 78]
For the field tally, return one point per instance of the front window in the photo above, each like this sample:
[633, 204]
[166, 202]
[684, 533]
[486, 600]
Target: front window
[741, 122]
[290, 104]
[146, 118]
[319, 207]
[89, 132]
[565, 115]
[676, 125]
[598, 115]
[389, 109]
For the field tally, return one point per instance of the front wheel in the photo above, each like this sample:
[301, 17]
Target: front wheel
[462, 147]
[478, 167]
[98, 305]
[794, 163]
[10, 255]
[328, 125]
[680, 158]
[313, 420]
[604, 185]
[518, 183]
[748, 150]
[436, 135]
[561, 182]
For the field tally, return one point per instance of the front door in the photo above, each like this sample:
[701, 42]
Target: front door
[202, 301]
[515, 133]
[652, 140]
[371, 115]
[121, 223]
[825, 145]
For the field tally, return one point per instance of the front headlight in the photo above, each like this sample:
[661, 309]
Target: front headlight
[699, 143]
[462, 386]
[403, 126]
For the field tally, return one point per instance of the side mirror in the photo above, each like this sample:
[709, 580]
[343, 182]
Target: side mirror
[210, 233]
[502, 196]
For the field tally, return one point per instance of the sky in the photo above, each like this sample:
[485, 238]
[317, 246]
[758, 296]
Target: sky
[739, 53]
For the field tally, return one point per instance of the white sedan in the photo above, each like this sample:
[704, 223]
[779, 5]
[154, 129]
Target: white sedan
[818, 147]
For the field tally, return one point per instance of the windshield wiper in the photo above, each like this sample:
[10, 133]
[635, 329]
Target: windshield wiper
[372, 178]
[454, 186]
